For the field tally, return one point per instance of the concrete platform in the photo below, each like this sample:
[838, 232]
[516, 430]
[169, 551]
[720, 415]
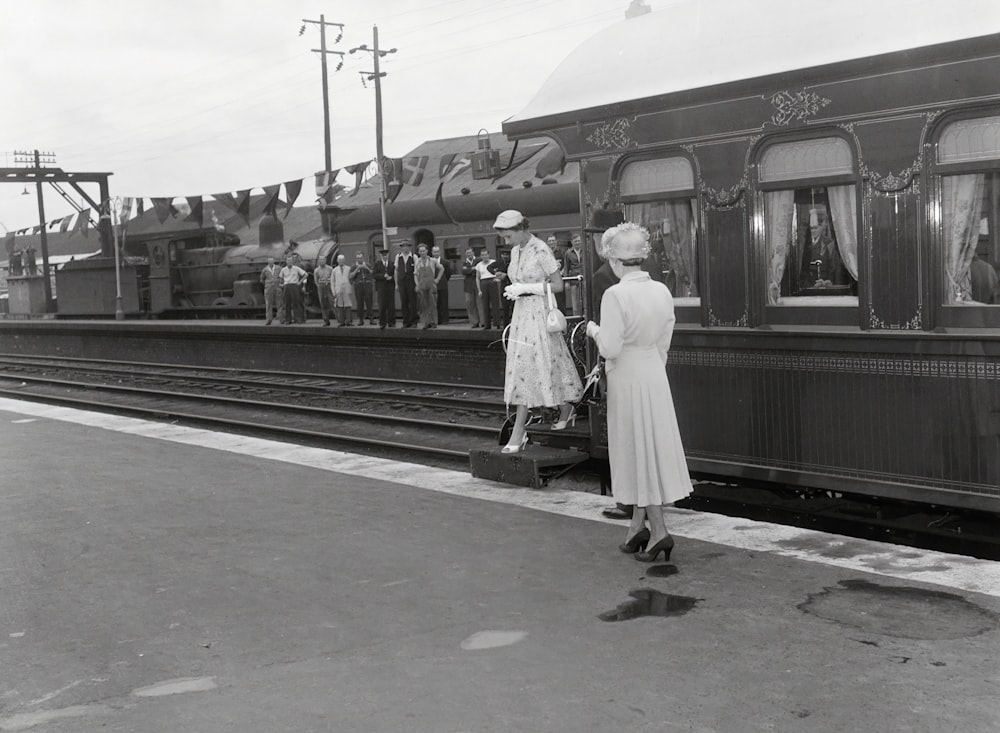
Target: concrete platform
[163, 578]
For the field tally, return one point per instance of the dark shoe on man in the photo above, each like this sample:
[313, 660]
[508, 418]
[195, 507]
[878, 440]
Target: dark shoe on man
[618, 511]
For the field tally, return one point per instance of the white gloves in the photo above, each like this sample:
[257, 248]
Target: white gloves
[592, 329]
[512, 291]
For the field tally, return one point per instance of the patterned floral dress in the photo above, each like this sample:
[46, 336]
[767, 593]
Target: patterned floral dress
[540, 371]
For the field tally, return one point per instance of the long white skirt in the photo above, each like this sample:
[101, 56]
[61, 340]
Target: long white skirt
[648, 467]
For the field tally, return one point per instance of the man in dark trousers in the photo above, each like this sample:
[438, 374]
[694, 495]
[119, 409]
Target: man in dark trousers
[385, 285]
[603, 279]
[404, 267]
[469, 286]
[442, 286]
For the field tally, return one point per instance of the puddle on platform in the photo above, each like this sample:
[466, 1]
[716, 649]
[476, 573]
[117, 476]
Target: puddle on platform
[900, 611]
[177, 686]
[25, 721]
[649, 602]
[661, 571]
[492, 639]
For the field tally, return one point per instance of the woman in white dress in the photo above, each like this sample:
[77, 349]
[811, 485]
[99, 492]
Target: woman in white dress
[539, 370]
[648, 468]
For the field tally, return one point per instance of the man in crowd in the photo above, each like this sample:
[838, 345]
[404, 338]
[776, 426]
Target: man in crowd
[384, 277]
[573, 268]
[343, 295]
[404, 268]
[363, 281]
[488, 289]
[322, 276]
[442, 286]
[469, 288]
[269, 279]
[291, 279]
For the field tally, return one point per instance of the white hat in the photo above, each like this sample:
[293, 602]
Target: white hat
[626, 241]
[508, 219]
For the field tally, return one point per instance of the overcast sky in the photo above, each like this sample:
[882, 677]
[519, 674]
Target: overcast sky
[188, 98]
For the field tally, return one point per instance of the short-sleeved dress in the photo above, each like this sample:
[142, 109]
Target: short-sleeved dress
[540, 371]
[648, 467]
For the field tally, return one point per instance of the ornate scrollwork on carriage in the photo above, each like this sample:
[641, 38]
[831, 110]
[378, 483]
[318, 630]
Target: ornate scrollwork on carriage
[795, 106]
[714, 320]
[914, 324]
[613, 135]
[724, 198]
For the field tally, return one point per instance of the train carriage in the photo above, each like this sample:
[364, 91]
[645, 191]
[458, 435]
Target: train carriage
[823, 192]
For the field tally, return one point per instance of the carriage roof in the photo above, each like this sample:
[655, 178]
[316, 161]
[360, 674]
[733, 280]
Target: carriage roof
[693, 44]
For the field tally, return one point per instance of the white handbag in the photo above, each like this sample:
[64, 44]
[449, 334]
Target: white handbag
[555, 321]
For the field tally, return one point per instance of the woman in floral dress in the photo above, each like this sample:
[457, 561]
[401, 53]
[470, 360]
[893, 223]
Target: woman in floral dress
[539, 371]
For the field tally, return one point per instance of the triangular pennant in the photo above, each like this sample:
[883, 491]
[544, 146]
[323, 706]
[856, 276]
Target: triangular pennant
[554, 161]
[64, 225]
[163, 208]
[35, 229]
[271, 198]
[444, 165]
[197, 205]
[413, 170]
[358, 171]
[226, 199]
[243, 205]
[292, 191]
[52, 224]
[324, 180]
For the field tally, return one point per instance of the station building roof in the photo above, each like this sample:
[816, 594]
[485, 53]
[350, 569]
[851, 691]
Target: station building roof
[692, 44]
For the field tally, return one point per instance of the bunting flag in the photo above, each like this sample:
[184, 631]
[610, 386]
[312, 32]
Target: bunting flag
[271, 198]
[126, 212]
[82, 222]
[554, 161]
[413, 170]
[444, 165]
[8, 242]
[139, 208]
[64, 225]
[163, 208]
[358, 171]
[292, 191]
[325, 180]
[52, 224]
[226, 199]
[35, 229]
[391, 170]
[197, 205]
[243, 205]
[439, 200]
[457, 167]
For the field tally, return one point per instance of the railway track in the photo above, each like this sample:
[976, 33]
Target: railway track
[434, 421]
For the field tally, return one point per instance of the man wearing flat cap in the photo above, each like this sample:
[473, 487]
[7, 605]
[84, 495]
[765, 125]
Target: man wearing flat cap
[385, 288]
[404, 268]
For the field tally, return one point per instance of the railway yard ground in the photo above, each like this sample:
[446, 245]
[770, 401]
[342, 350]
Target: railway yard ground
[162, 577]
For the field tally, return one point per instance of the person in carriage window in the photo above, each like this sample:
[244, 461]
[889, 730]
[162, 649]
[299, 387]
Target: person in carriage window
[821, 262]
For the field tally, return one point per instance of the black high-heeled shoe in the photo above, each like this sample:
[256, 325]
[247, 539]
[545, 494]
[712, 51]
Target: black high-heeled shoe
[638, 542]
[666, 546]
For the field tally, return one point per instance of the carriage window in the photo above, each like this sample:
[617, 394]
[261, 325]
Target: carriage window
[811, 230]
[658, 194]
[970, 211]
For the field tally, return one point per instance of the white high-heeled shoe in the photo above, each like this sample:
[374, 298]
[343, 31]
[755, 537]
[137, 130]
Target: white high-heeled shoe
[563, 424]
[515, 448]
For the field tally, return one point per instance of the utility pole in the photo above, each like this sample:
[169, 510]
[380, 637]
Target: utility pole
[34, 161]
[322, 50]
[377, 76]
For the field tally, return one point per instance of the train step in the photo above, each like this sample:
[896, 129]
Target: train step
[534, 466]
